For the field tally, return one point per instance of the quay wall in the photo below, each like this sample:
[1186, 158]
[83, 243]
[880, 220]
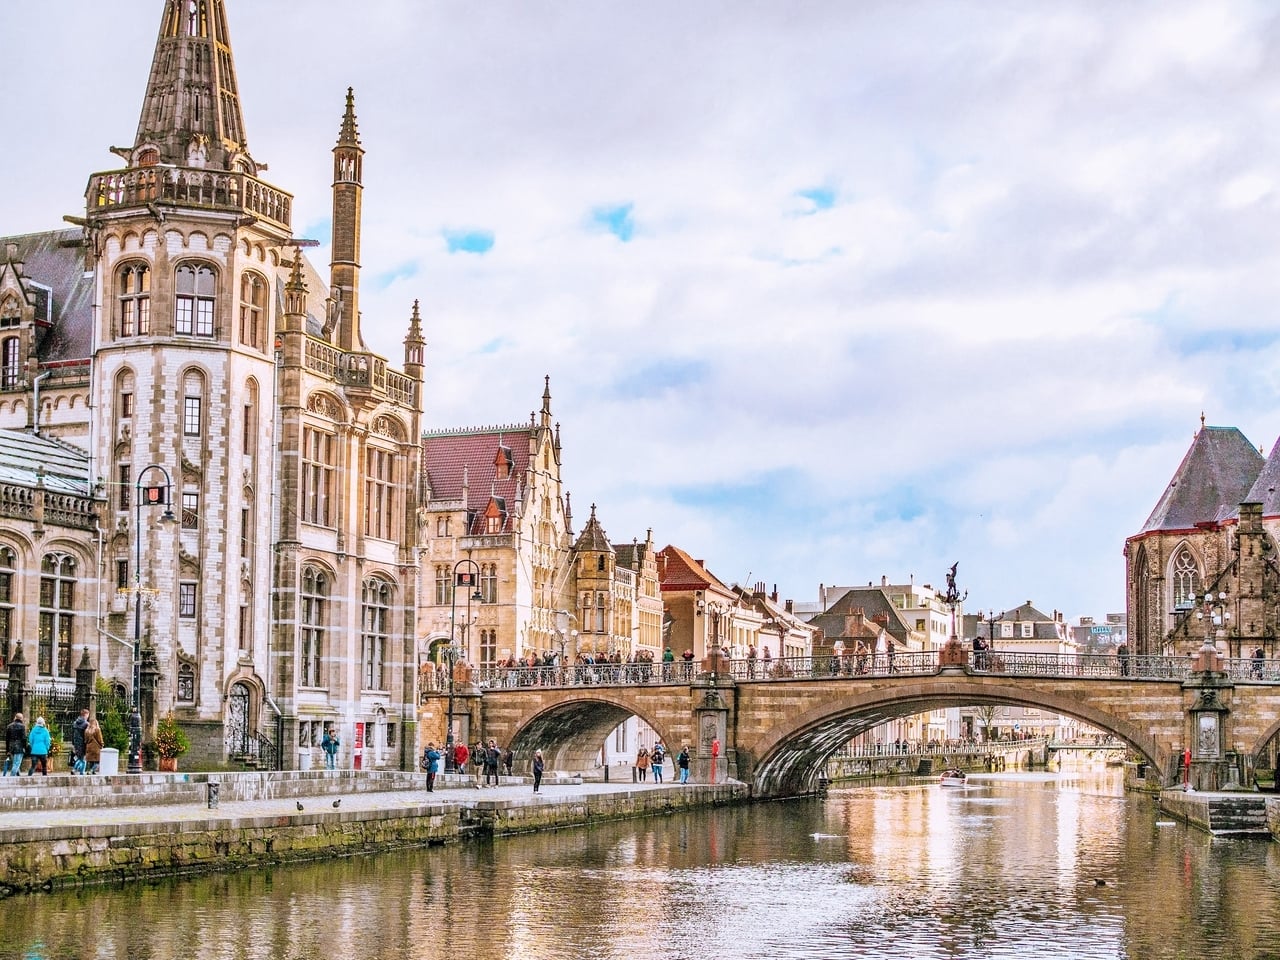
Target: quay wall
[871, 766]
[46, 858]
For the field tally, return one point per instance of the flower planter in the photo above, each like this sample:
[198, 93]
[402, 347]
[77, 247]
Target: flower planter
[168, 764]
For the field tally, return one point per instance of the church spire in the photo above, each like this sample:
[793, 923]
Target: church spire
[348, 198]
[191, 114]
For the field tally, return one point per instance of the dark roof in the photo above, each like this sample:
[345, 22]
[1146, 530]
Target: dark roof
[55, 259]
[26, 459]
[631, 555]
[874, 603]
[1264, 488]
[447, 455]
[593, 539]
[1210, 483]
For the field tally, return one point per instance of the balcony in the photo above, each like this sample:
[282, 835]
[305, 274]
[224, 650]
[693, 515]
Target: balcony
[189, 187]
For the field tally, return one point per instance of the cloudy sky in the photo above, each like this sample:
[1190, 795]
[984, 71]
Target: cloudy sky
[826, 290]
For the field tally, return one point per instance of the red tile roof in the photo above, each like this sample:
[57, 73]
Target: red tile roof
[478, 451]
[679, 571]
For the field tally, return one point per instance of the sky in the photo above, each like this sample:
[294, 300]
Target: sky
[827, 291]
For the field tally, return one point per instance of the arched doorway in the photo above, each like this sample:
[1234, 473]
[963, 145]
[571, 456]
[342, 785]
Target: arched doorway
[238, 725]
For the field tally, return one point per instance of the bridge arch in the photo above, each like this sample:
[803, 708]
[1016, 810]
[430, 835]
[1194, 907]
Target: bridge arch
[786, 758]
[570, 733]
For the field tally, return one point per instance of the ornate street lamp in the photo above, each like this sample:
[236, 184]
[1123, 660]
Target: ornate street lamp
[154, 496]
[1215, 616]
[470, 579]
[562, 629]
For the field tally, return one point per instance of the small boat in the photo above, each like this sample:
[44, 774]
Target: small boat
[952, 778]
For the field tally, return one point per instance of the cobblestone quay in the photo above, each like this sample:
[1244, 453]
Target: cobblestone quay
[59, 831]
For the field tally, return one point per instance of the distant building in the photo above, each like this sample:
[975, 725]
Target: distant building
[1092, 637]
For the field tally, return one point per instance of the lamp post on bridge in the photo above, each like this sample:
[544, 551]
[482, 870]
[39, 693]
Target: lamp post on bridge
[154, 496]
[471, 581]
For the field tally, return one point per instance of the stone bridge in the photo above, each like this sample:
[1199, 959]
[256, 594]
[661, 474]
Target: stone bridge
[776, 732]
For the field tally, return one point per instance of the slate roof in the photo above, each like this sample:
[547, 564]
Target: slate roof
[1214, 477]
[593, 539]
[447, 454]
[839, 619]
[26, 459]
[631, 555]
[55, 259]
[1264, 488]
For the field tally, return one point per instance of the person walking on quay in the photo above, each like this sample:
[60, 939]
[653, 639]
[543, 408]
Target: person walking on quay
[330, 744]
[656, 759]
[460, 756]
[93, 744]
[751, 662]
[508, 758]
[431, 760]
[15, 745]
[682, 761]
[642, 765]
[40, 744]
[492, 761]
[78, 728]
[538, 767]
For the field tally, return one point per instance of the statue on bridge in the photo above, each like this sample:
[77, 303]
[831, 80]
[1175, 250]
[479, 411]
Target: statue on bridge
[953, 653]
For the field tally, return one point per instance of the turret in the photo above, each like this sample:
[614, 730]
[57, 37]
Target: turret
[414, 347]
[348, 195]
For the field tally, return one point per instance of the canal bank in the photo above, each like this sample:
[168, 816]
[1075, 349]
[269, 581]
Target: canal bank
[64, 831]
[1225, 814]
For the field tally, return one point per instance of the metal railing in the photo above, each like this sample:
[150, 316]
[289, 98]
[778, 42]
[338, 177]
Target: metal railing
[855, 666]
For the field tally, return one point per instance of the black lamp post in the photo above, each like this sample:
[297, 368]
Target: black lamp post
[1215, 615]
[471, 580]
[992, 619]
[154, 496]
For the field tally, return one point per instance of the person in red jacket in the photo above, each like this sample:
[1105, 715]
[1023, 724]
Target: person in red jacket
[460, 754]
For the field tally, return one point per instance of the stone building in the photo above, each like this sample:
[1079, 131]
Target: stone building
[220, 379]
[1213, 531]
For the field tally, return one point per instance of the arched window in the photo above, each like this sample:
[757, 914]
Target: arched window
[10, 363]
[8, 580]
[186, 684]
[1186, 579]
[195, 298]
[133, 292]
[57, 614]
[1143, 640]
[253, 305]
[10, 312]
[313, 614]
[379, 502]
[124, 398]
[375, 618]
[192, 405]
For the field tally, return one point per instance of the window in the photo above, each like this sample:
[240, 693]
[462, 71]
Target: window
[186, 684]
[315, 600]
[191, 416]
[444, 585]
[253, 302]
[195, 300]
[122, 574]
[600, 612]
[488, 646]
[8, 572]
[1006, 629]
[10, 363]
[375, 615]
[489, 583]
[126, 406]
[246, 531]
[190, 510]
[319, 462]
[1186, 580]
[124, 485]
[134, 292]
[187, 600]
[1028, 630]
[378, 489]
[493, 523]
[442, 526]
[57, 614]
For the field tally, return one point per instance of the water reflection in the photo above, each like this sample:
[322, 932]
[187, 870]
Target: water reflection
[1024, 865]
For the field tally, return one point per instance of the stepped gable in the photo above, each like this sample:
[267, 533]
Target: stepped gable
[1264, 489]
[55, 259]
[26, 459]
[1213, 479]
[473, 455]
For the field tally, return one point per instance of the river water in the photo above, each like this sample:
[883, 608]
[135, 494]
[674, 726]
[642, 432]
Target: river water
[1018, 865]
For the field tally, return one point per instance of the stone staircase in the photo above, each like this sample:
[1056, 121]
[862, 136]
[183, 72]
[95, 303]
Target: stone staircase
[1238, 815]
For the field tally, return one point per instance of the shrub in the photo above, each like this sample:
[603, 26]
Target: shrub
[170, 741]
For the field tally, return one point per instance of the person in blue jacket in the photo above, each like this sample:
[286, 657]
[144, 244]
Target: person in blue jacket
[40, 743]
[431, 763]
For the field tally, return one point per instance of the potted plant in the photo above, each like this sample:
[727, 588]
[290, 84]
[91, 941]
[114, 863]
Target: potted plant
[170, 743]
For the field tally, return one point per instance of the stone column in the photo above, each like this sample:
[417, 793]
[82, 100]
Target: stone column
[1208, 722]
[149, 673]
[712, 704]
[17, 683]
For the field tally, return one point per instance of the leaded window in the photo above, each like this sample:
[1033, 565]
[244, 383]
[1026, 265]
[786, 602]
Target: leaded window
[1186, 580]
[253, 304]
[319, 464]
[313, 613]
[57, 614]
[379, 489]
[8, 579]
[133, 286]
[375, 616]
[196, 296]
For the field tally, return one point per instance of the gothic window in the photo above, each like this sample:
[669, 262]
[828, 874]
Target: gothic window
[600, 563]
[489, 583]
[1142, 590]
[10, 363]
[57, 614]
[191, 416]
[375, 616]
[600, 612]
[253, 303]
[444, 585]
[488, 646]
[133, 285]
[190, 510]
[124, 396]
[10, 313]
[186, 684]
[8, 578]
[124, 486]
[196, 292]
[1186, 580]
[187, 599]
[250, 444]
[379, 488]
[319, 464]
[315, 600]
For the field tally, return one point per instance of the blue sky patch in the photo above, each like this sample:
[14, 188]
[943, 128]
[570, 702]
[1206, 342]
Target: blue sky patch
[659, 378]
[404, 271]
[616, 220]
[468, 241]
[822, 198]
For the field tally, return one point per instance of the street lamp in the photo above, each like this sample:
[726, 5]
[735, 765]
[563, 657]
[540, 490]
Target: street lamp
[992, 619]
[1215, 615]
[154, 496]
[562, 628]
[471, 580]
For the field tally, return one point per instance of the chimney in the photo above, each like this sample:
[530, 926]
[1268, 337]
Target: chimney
[774, 596]
[884, 581]
[791, 606]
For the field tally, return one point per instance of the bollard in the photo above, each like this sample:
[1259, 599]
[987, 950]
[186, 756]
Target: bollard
[213, 795]
[635, 775]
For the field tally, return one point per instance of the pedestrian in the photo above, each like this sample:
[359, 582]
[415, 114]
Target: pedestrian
[642, 764]
[93, 744]
[656, 758]
[431, 761]
[460, 757]
[751, 661]
[1259, 661]
[40, 744]
[538, 767]
[78, 728]
[682, 761]
[330, 744]
[1122, 652]
[492, 760]
[768, 661]
[668, 658]
[508, 758]
[15, 745]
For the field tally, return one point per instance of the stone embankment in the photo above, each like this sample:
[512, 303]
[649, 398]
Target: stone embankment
[62, 830]
[1225, 814]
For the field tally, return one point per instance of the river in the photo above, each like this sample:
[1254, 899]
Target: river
[1019, 865]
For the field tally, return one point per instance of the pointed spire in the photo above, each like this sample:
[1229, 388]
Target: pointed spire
[348, 199]
[191, 114]
[349, 135]
[546, 401]
[295, 295]
[568, 513]
[414, 345]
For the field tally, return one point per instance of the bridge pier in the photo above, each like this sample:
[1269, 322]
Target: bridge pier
[713, 696]
[1209, 725]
